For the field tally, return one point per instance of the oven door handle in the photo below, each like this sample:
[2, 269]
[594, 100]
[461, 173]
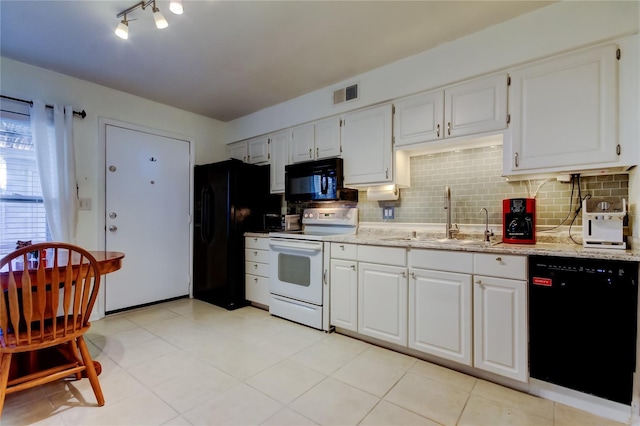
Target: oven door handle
[296, 246]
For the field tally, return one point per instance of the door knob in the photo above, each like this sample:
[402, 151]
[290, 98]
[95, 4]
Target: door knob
[113, 228]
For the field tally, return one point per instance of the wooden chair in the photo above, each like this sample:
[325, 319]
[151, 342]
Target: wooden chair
[46, 303]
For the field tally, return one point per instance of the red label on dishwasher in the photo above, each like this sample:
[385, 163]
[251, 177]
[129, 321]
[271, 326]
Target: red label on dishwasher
[542, 281]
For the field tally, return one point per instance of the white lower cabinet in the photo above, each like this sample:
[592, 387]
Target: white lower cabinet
[500, 326]
[382, 302]
[440, 314]
[257, 270]
[344, 294]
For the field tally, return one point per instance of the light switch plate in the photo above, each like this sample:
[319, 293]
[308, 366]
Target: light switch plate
[84, 203]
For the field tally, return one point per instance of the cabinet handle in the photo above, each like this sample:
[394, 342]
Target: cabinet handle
[438, 130]
[353, 267]
[324, 277]
[404, 274]
[255, 253]
[256, 280]
[255, 266]
[310, 153]
[317, 152]
[386, 172]
[515, 157]
[341, 246]
[449, 128]
[413, 274]
[255, 240]
[498, 259]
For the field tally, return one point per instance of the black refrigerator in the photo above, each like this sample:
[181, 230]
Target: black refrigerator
[230, 199]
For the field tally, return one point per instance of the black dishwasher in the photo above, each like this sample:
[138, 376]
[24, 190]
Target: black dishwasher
[583, 323]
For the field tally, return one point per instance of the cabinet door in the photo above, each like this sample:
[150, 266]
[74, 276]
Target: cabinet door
[382, 302]
[367, 147]
[279, 159]
[440, 314]
[302, 143]
[258, 150]
[564, 112]
[327, 138]
[237, 150]
[476, 106]
[500, 326]
[344, 294]
[419, 119]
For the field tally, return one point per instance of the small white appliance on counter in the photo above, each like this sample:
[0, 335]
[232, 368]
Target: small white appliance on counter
[299, 265]
[602, 224]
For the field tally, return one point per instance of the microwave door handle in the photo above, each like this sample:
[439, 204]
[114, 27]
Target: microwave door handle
[324, 184]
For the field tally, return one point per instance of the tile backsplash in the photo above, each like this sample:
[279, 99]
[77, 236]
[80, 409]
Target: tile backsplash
[474, 176]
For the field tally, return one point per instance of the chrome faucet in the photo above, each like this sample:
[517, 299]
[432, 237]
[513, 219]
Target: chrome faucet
[487, 234]
[451, 230]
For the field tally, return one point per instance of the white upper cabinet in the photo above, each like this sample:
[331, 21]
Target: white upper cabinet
[280, 142]
[564, 113]
[327, 138]
[476, 106]
[302, 143]
[258, 150]
[237, 150]
[368, 149]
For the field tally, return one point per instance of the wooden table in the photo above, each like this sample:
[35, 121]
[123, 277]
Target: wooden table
[108, 261]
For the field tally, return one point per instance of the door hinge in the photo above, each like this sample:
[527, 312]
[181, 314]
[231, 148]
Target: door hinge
[340, 149]
[508, 80]
[393, 140]
[508, 118]
[342, 122]
[618, 149]
[393, 109]
[618, 53]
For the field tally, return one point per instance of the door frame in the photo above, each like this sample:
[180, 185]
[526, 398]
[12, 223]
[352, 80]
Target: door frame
[101, 182]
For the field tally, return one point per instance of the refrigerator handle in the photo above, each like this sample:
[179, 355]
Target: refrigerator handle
[205, 219]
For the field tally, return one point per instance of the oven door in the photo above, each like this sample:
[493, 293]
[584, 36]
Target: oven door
[296, 269]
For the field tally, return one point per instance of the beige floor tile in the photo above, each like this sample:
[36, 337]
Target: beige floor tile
[434, 400]
[207, 349]
[142, 409]
[128, 356]
[287, 417]
[110, 325]
[243, 360]
[389, 357]
[518, 400]
[166, 367]
[132, 336]
[369, 375]
[285, 381]
[240, 405]
[385, 414]
[189, 390]
[481, 411]
[334, 403]
[324, 358]
[178, 421]
[569, 416]
[443, 375]
[151, 315]
[347, 343]
[27, 407]
[284, 343]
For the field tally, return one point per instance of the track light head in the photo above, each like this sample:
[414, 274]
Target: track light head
[161, 22]
[122, 30]
[175, 6]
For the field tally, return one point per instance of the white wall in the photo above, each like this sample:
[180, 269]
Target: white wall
[553, 29]
[28, 82]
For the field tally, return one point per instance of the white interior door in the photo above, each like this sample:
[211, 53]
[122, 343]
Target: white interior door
[147, 216]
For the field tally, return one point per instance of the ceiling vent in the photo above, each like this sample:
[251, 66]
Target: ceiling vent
[345, 94]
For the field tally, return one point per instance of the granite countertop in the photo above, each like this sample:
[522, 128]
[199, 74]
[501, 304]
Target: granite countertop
[472, 242]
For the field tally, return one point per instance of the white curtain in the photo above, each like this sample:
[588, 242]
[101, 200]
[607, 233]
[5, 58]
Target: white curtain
[55, 156]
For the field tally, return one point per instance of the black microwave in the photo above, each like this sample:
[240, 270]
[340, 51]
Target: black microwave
[320, 180]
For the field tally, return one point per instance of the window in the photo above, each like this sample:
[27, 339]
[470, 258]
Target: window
[22, 214]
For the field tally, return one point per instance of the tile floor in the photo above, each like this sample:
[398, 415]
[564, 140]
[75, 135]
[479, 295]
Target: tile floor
[187, 362]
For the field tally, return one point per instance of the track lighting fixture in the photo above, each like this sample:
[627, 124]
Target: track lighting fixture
[122, 30]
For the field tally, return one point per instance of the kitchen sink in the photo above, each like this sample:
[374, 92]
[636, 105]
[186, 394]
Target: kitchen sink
[439, 241]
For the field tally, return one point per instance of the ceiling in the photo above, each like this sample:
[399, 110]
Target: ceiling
[227, 59]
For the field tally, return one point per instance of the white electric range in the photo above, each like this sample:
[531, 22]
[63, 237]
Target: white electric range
[299, 267]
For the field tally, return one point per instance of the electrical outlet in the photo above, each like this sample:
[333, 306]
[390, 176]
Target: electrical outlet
[387, 212]
[84, 203]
